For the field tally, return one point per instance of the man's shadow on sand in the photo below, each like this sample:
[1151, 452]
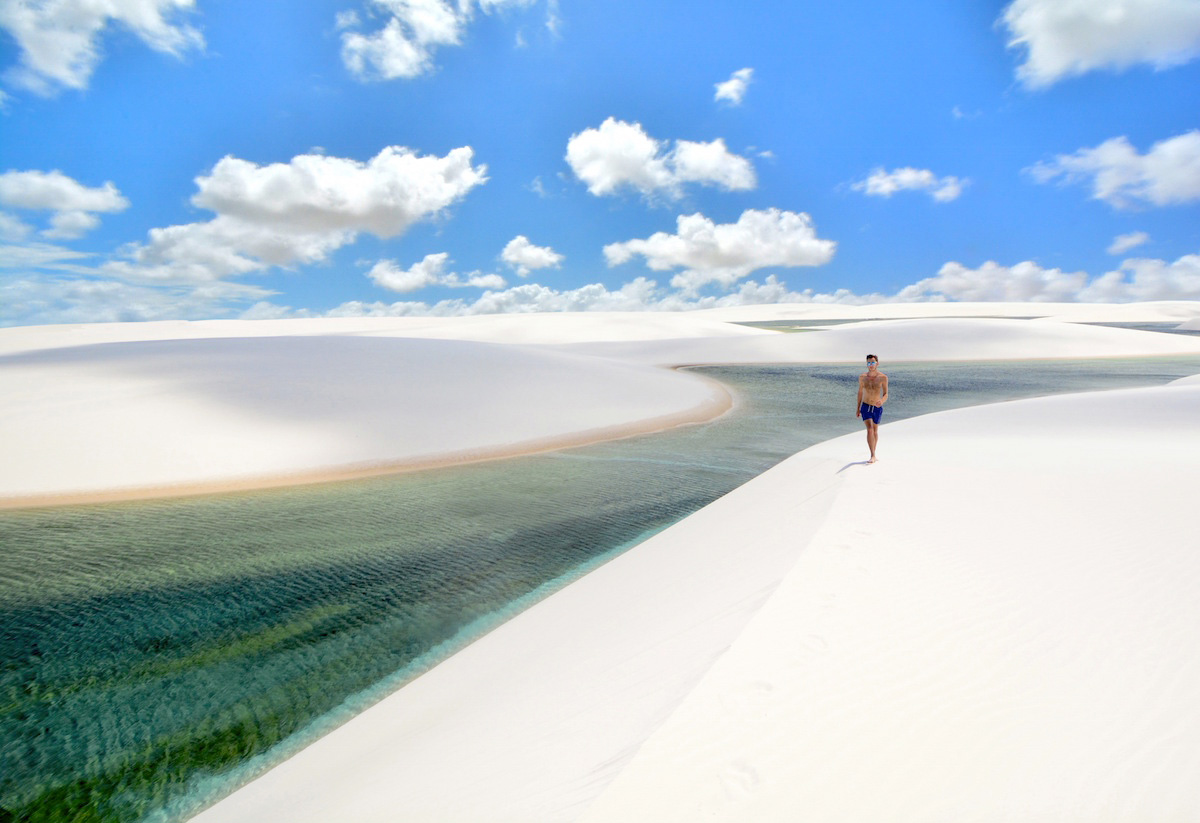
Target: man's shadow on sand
[856, 463]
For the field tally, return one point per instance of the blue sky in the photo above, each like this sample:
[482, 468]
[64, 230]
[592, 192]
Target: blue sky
[207, 158]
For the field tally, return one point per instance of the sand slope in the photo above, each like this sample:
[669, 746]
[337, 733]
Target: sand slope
[162, 416]
[997, 622]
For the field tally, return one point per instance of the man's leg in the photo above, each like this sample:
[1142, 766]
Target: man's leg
[872, 438]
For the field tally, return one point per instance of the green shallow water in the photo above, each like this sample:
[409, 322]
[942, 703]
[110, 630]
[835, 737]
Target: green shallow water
[154, 655]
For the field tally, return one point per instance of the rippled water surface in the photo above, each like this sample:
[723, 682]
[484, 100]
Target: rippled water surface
[154, 654]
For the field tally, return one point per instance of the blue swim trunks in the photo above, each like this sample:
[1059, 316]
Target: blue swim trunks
[872, 413]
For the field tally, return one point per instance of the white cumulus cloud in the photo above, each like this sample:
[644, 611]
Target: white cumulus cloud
[619, 154]
[317, 193]
[73, 204]
[431, 271]
[1147, 279]
[1124, 242]
[993, 282]
[525, 257]
[1063, 38]
[1135, 280]
[734, 89]
[724, 253]
[404, 47]
[1167, 174]
[300, 211]
[881, 183]
[640, 294]
[59, 39]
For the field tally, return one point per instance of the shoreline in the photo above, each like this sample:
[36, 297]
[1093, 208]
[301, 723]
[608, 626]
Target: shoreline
[719, 403]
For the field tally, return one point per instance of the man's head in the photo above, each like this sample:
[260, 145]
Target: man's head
[872, 360]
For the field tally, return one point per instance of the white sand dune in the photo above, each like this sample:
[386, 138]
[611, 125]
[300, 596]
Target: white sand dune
[558, 327]
[997, 622]
[154, 417]
[127, 410]
[954, 339]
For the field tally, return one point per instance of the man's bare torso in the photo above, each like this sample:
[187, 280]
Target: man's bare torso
[873, 386]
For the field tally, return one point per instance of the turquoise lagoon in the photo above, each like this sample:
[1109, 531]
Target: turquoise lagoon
[154, 655]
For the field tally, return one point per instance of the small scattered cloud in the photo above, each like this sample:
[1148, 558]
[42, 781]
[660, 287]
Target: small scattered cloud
[725, 253]
[960, 114]
[1124, 242]
[415, 29]
[881, 183]
[554, 22]
[67, 225]
[1167, 174]
[733, 90]
[538, 188]
[431, 271]
[73, 206]
[59, 41]
[1064, 39]
[620, 155]
[386, 274]
[524, 257]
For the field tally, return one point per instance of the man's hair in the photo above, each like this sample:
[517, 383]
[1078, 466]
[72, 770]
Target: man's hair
[872, 357]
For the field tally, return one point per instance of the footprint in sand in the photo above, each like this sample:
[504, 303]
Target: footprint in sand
[739, 780]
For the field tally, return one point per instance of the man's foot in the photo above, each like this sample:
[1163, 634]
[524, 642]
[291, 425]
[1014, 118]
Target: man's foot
[873, 459]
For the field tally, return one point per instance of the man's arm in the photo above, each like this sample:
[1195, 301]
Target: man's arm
[883, 399]
[858, 402]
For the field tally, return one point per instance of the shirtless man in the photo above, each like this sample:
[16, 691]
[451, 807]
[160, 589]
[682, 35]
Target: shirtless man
[872, 394]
